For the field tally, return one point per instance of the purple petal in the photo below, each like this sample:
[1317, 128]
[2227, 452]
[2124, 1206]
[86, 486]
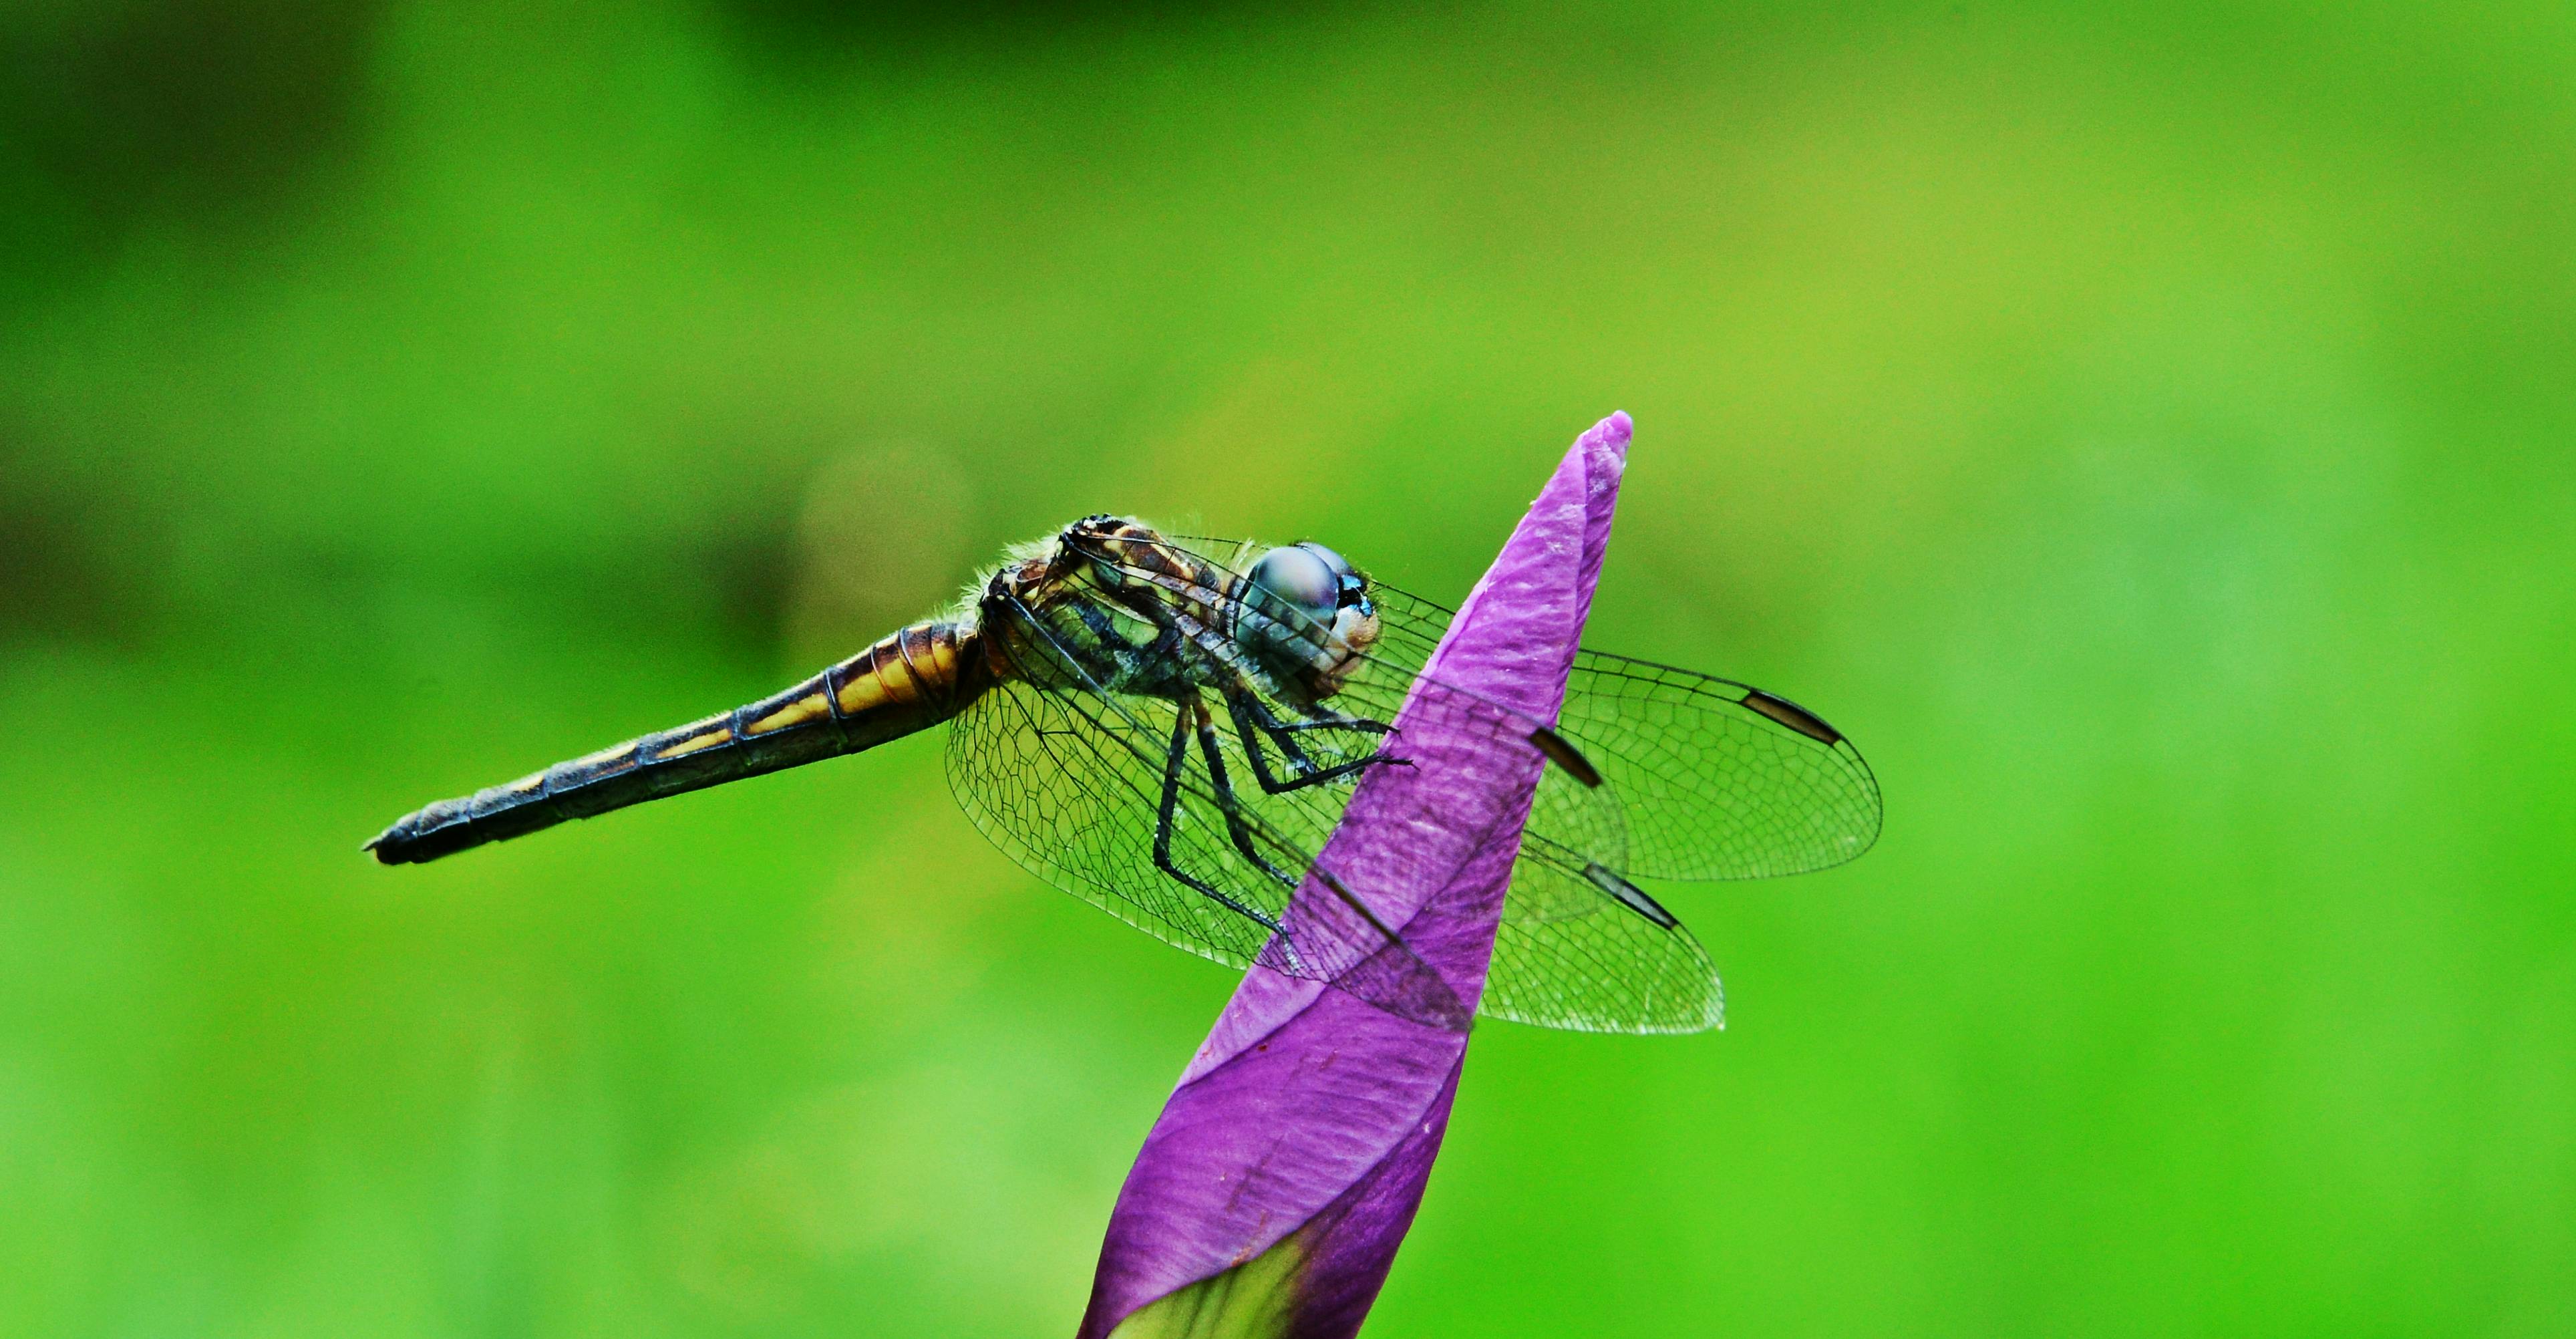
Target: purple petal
[1295, 1149]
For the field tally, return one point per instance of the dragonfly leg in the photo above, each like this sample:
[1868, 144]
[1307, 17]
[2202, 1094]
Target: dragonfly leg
[1174, 762]
[1251, 720]
[1235, 826]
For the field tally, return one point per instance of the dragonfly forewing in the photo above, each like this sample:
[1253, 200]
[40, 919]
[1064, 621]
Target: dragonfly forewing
[1719, 779]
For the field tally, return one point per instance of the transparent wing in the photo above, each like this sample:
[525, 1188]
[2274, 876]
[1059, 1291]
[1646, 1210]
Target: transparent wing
[1579, 946]
[1079, 785]
[1719, 779]
[1571, 954]
[1069, 792]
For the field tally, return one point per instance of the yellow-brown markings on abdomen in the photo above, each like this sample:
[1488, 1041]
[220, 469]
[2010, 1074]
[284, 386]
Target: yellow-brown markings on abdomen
[941, 656]
[623, 753]
[862, 694]
[809, 707]
[722, 733]
[870, 689]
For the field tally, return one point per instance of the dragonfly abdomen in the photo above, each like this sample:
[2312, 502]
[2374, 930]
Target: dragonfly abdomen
[911, 680]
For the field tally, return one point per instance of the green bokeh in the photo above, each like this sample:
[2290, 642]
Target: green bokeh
[2148, 436]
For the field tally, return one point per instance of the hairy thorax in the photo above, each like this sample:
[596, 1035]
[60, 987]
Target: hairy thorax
[1110, 603]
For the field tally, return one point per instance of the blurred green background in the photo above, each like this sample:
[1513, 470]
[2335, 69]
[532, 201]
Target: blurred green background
[2147, 433]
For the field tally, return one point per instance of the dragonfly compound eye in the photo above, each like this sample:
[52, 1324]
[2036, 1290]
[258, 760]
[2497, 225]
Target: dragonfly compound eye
[1304, 584]
[1350, 588]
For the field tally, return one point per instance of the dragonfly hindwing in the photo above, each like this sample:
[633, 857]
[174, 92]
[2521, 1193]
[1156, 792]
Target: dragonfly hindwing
[1630, 895]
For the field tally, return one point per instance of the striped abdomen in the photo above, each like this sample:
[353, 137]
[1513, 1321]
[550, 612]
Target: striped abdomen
[912, 680]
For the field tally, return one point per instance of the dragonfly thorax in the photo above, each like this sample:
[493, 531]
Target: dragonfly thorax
[1111, 603]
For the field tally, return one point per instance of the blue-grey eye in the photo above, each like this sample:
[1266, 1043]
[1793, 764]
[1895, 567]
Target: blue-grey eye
[1304, 577]
[1349, 588]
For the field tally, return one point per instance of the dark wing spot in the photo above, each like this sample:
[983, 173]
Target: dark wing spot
[1630, 895]
[1564, 755]
[1792, 715]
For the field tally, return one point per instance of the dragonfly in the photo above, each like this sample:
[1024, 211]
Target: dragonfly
[1169, 727]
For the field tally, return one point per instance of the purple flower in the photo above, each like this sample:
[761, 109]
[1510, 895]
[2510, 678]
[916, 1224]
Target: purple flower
[1271, 1196]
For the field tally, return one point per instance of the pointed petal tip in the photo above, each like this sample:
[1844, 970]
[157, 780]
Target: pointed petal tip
[1603, 449]
[1611, 434]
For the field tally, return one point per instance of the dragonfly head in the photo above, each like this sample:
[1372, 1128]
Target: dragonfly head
[1317, 617]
